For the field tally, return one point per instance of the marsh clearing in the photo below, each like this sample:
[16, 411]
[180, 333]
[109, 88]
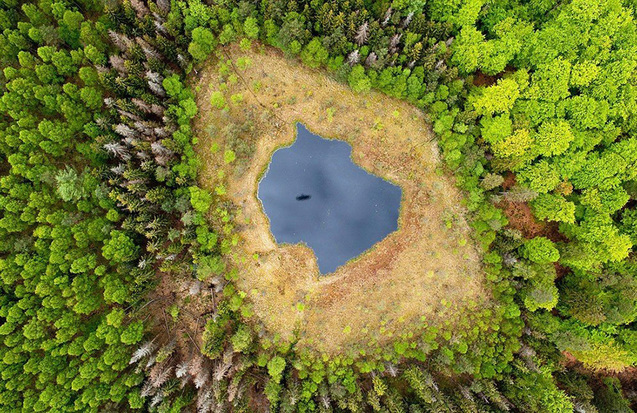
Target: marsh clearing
[424, 274]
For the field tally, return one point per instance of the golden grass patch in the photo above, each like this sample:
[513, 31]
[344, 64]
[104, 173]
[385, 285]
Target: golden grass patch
[427, 272]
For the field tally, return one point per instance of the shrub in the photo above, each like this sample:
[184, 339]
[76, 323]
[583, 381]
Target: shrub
[541, 250]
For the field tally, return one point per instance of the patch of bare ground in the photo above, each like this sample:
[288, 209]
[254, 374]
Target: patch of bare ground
[194, 301]
[481, 79]
[427, 271]
[519, 214]
[521, 217]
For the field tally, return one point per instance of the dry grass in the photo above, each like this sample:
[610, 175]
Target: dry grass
[418, 273]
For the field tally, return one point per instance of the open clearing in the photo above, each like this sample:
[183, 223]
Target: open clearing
[427, 271]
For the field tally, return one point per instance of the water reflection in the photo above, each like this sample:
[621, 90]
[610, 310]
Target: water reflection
[314, 193]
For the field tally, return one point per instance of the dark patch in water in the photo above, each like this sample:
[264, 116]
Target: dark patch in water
[345, 210]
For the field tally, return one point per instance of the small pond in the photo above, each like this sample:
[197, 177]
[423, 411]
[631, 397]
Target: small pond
[314, 193]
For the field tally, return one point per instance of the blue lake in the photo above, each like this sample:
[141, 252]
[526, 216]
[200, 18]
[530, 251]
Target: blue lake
[314, 193]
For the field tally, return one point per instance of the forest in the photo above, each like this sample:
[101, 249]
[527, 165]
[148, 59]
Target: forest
[120, 287]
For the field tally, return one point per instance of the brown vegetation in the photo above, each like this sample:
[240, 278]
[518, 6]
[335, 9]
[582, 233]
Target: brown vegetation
[521, 217]
[428, 270]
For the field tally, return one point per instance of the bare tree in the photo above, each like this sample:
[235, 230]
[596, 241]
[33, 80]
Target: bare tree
[119, 169]
[154, 76]
[509, 259]
[223, 366]
[429, 380]
[371, 59]
[161, 132]
[152, 359]
[391, 369]
[160, 150]
[128, 114]
[144, 128]
[102, 122]
[160, 26]
[388, 14]
[125, 131]
[182, 369]
[118, 150]
[160, 375]
[121, 41]
[147, 389]
[526, 351]
[408, 19]
[325, 401]
[118, 64]
[163, 5]
[142, 263]
[156, 88]
[198, 371]
[201, 379]
[394, 41]
[148, 50]
[158, 17]
[353, 58]
[466, 393]
[157, 109]
[140, 8]
[156, 399]
[362, 34]
[101, 69]
[195, 287]
[144, 350]
[204, 400]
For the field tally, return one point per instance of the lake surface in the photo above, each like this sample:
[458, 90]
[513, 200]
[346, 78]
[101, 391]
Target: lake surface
[314, 193]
